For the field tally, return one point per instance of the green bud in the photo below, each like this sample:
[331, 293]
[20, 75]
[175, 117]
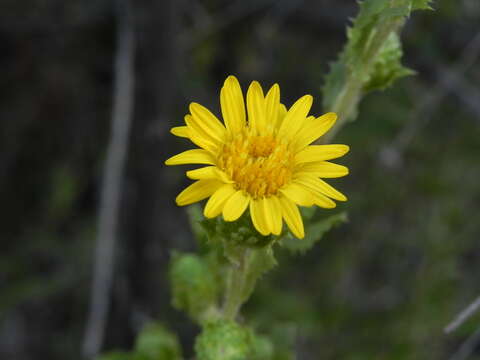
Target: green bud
[155, 342]
[194, 287]
[225, 340]
[115, 355]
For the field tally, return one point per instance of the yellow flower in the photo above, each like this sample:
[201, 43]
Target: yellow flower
[263, 162]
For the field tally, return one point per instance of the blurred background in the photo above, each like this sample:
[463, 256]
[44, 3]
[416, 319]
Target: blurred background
[382, 286]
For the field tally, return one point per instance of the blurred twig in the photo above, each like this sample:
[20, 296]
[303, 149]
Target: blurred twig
[468, 347]
[460, 86]
[463, 316]
[392, 154]
[112, 182]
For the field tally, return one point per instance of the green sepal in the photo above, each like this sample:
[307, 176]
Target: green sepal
[314, 232]
[240, 232]
[195, 288]
[155, 342]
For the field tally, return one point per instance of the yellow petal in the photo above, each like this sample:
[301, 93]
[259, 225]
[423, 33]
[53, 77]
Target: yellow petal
[256, 107]
[295, 117]
[208, 172]
[273, 214]
[272, 103]
[207, 122]
[233, 105]
[323, 201]
[199, 190]
[258, 217]
[312, 130]
[235, 206]
[282, 112]
[195, 156]
[215, 204]
[320, 152]
[199, 137]
[292, 217]
[318, 185]
[180, 131]
[299, 194]
[323, 169]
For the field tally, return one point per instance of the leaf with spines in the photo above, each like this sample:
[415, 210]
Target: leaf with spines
[387, 67]
[371, 58]
[422, 4]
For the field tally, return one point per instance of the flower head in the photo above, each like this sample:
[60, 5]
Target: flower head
[260, 159]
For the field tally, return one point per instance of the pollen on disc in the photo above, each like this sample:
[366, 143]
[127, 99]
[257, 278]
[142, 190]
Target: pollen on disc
[259, 165]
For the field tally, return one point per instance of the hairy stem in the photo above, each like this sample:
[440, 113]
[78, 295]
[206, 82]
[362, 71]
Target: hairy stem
[236, 285]
[346, 103]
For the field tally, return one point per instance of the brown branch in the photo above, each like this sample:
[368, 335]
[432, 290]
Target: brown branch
[112, 182]
[468, 347]
[463, 316]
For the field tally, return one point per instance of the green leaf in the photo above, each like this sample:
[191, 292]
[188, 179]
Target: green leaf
[421, 5]
[261, 261]
[334, 84]
[313, 233]
[194, 286]
[387, 67]
[370, 59]
[155, 342]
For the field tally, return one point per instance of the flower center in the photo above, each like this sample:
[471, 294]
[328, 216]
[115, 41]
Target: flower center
[259, 165]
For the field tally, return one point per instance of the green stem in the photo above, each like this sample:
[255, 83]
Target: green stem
[236, 283]
[344, 106]
[346, 103]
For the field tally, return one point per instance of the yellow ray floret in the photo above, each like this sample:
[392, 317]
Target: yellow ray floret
[260, 158]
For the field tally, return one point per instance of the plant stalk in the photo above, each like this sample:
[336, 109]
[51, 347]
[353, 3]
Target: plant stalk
[236, 283]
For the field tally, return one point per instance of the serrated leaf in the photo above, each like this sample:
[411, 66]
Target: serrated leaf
[387, 67]
[334, 83]
[421, 4]
[313, 233]
[360, 67]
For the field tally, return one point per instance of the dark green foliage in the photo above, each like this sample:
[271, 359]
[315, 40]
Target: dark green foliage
[314, 231]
